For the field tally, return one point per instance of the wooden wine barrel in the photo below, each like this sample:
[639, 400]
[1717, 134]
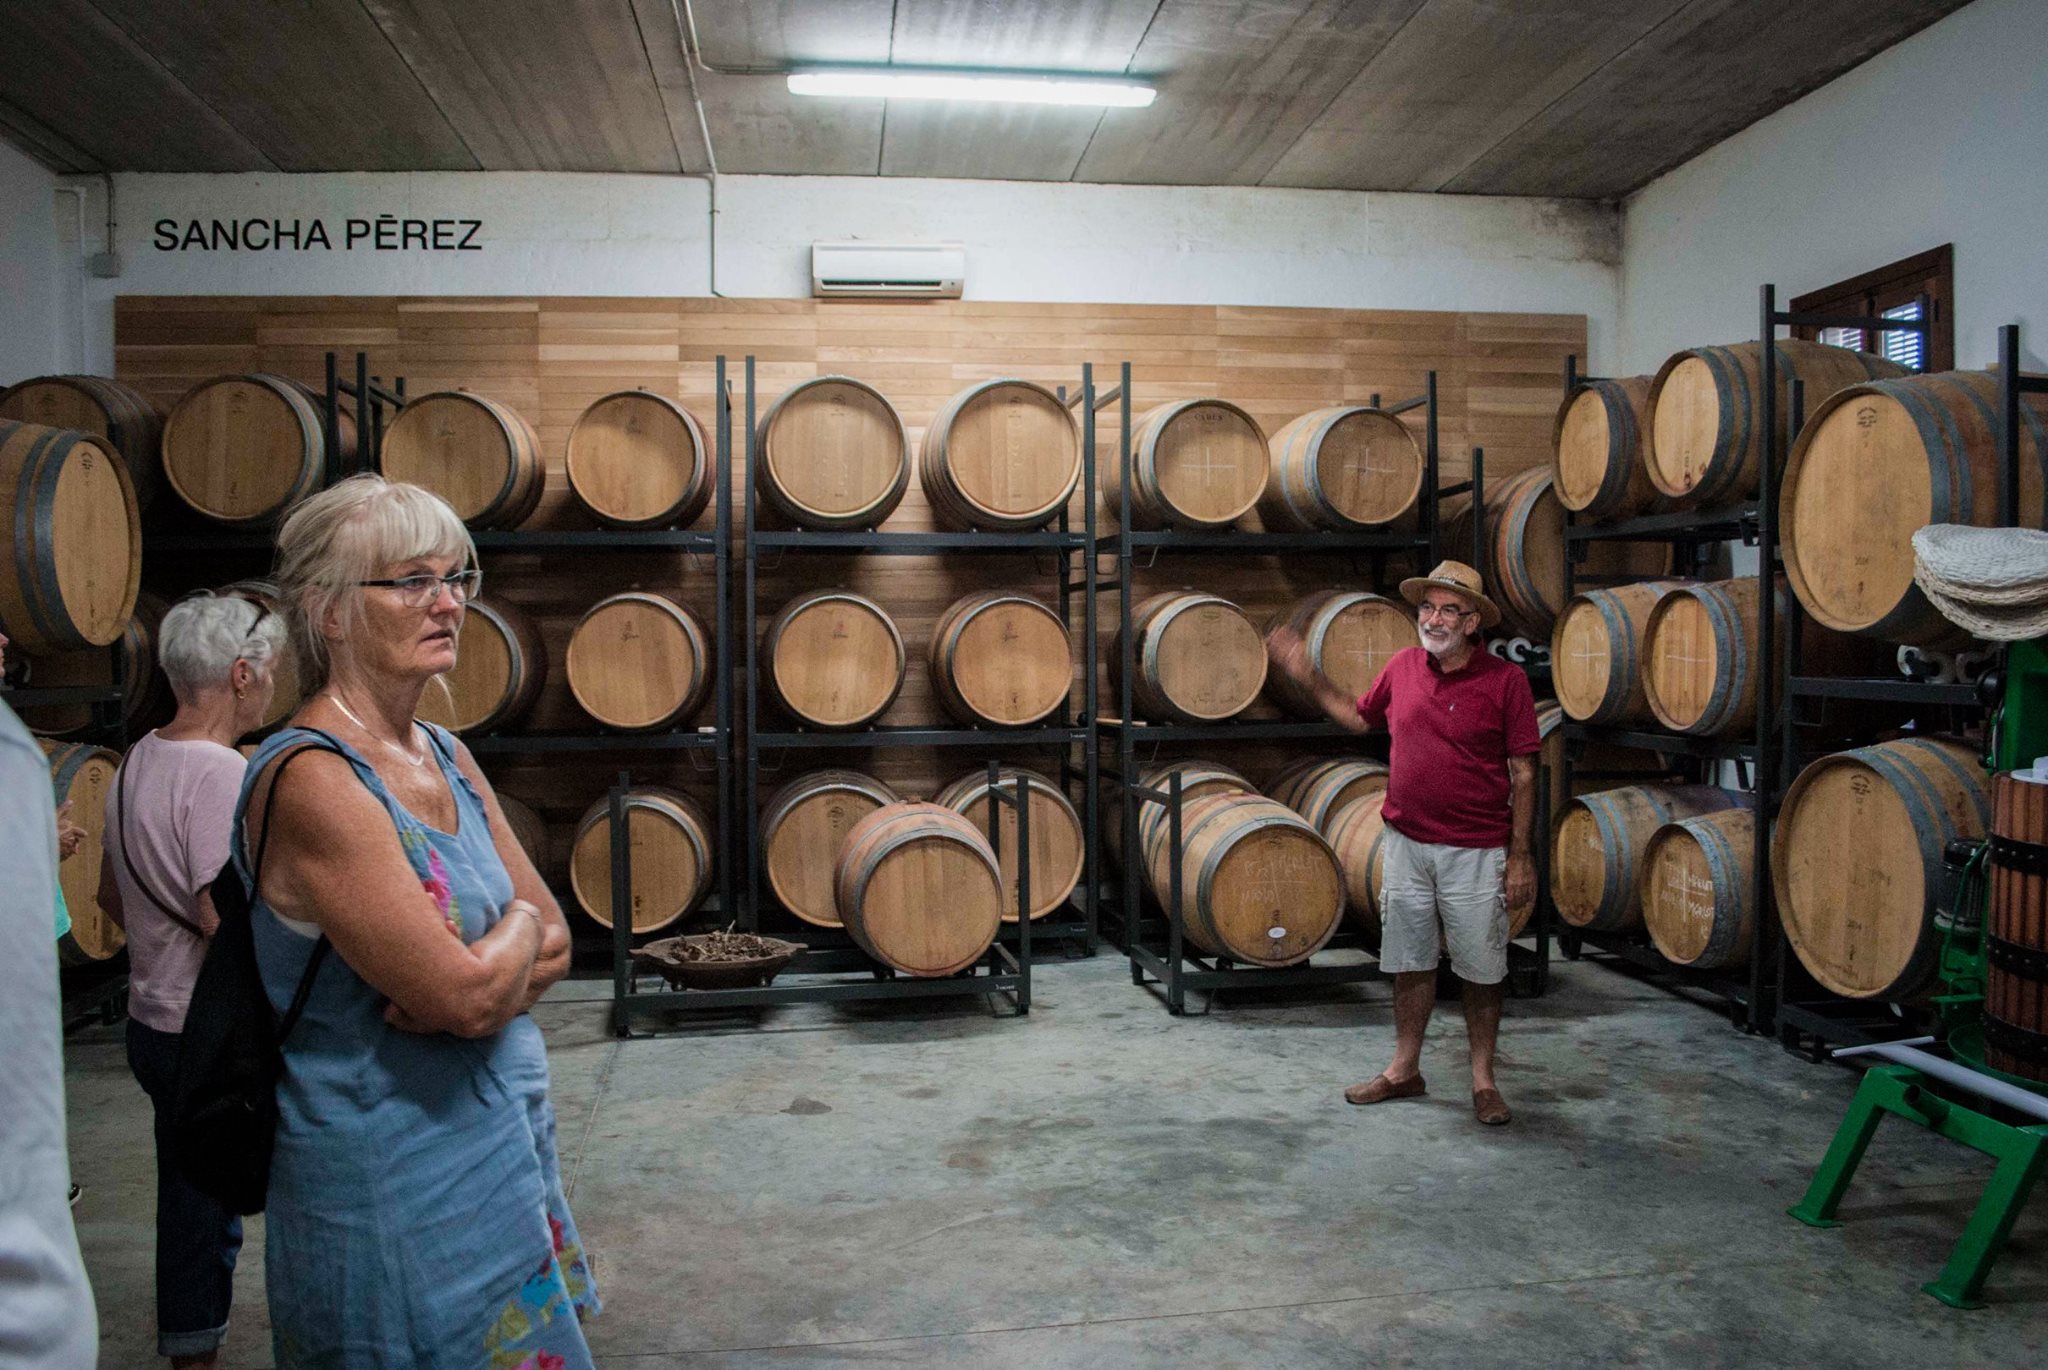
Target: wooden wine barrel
[1874, 465]
[671, 857]
[1597, 848]
[1001, 658]
[919, 889]
[2016, 932]
[1350, 636]
[1597, 652]
[146, 698]
[637, 459]
[70, 540]
[1194, 464]
[1523, 552]
[639, 661]
[1058, 846]
[480, 455]
[833, 659]
[1318, 787]
[1356, 832]
[84, 776]
[1004, 455]
[1601, 757]
[803, 827]
[1698, 889]
[1706, 411]
[529, 828]
[1344, 468]
[243, 450]
[1699, 657]
[1599, 444]
[832, 453]
[1258, 884]
[1197, 778]
[1856, 861]
[128, 420]
[1199, 658]
[501, 666]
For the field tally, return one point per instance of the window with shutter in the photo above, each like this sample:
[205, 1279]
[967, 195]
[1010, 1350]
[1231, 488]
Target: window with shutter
[1897, 291]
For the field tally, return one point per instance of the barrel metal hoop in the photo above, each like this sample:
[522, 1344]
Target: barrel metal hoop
[2014, 1040]
[2017, 958]
[2018, 854]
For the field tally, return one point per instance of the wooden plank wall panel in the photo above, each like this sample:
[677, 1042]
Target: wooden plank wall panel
[1498, 382]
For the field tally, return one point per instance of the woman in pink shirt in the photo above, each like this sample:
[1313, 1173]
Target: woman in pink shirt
[168, 821]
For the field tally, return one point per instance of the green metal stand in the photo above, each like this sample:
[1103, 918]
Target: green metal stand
[2021, 1153]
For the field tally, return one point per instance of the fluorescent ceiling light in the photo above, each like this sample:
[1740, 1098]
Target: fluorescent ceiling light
[1012, 87]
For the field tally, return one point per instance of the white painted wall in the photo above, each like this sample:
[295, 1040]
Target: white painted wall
[646, 235]
[1936, 140]
[34, 285]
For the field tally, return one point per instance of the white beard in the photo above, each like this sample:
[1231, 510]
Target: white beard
[1439, 645]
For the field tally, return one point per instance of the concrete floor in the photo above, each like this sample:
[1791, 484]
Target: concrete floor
[1101, 1185]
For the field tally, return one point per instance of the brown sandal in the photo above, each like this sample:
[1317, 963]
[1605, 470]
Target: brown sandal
[1490, 1108]
[1380, 1088]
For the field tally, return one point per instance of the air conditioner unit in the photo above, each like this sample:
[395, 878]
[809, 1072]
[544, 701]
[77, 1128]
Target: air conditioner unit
[916, 270]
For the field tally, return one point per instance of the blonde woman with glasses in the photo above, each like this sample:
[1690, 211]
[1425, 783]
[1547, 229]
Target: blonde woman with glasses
[416, 1213]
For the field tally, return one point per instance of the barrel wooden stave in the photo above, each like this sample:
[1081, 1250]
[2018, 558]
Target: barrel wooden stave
[70, 540]
[83, 776]
[1357, 833]
[671, 857]
[1856, 856]
[833, 453]
[1199, 658]
[1597, 847]
[919, 889]
[1697, 888]
[1876, 463]
[2016, 928]
[1258, 884]
[637, 459]
[1001, 658]
[1002, 455]
[803, 828]
[500, 668]
[1350, 635]
[638, 661]
[833, 659]
[479, 454]
[243, 449]
[1597, 652]
[128, 420]
[1598, 444]
[1059, 848]
[1345, 468]
[1194, 464]
[1706, 412]
[146, 699]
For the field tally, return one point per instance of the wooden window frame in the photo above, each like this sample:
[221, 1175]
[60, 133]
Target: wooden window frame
[1929, 273]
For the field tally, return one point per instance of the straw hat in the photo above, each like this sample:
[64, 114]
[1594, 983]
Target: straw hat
[1453, 575]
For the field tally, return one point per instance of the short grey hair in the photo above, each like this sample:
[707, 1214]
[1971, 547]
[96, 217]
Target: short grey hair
[347, 533]
[204, 635]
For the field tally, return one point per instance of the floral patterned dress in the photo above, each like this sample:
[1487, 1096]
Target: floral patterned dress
[416, 1216]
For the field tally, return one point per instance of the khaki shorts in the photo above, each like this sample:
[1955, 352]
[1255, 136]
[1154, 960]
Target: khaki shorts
[1435, 897]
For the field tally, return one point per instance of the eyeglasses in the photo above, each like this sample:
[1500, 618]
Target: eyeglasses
[417, 592]
[1449, 611]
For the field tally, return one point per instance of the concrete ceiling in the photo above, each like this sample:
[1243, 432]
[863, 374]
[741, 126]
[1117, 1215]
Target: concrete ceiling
[1575, 98]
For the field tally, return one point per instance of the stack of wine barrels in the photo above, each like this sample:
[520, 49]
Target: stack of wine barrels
[145, 696]
[1343, 469]
[1058, 846]
[919, 889]
[803, 826]
[1876, 463]
[482, 456]
[1002, 455]
[1706, 412]
[1350, 636]
[1001, 658]
[502, 666]
[71, 538]
[1357, 834]
[671, 856]
[2016, 932]
[242, 450]
[1199, 658]
[1522, 554]
[1317, 788]
[83, 776]
[1195, 464]
[1597, 849]
[833, 659]
[1856, 861]
[1698, 889]
[1259, 886]
[1197, 779]
[1599, 443]
[638, 460]
[636, 661]
[126, 419]
[1598, 652]
[832, 453]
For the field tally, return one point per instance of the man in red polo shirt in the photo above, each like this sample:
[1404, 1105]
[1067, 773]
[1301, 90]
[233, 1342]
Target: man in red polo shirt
[1460, 806]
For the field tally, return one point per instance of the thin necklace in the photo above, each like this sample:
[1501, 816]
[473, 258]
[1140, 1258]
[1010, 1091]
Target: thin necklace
[417, 760]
